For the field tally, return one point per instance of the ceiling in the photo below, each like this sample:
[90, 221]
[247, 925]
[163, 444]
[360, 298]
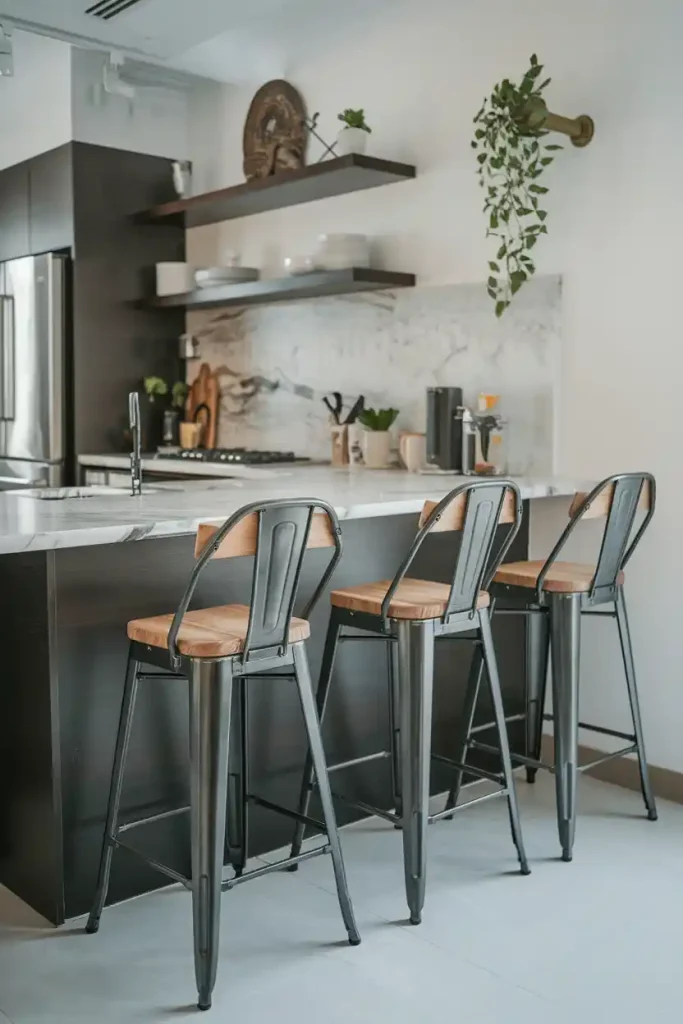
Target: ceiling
[230, 40]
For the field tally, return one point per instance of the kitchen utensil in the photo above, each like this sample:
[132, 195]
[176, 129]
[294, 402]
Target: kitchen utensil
[412, 448]
[174, 278]
[336, 408]
[340, 444]
[202, 415]
[356, 408]
[275, 135]
[204, 391]
[190, 435]
[215, 277]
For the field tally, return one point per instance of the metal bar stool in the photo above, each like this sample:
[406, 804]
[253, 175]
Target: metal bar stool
[556, 595]
[213, 648]
[410, 614]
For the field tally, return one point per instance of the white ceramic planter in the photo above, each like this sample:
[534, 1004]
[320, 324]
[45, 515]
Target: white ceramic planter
[351, 140]
[376, 448]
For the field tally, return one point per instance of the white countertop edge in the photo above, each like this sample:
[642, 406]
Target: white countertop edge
[28, 524]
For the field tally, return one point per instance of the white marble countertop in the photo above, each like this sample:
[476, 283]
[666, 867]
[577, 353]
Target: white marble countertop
[29, 524]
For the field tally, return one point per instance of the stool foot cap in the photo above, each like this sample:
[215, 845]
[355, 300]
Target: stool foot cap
[92, 927]
[416, 918]
[398, 826]
[531, 775]
[292, 867]
[524, 869]
[204, 1006]
[652, 814]
[354, 940]
[567, 856]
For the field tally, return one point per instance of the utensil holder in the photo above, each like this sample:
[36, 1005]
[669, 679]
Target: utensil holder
[339, 435]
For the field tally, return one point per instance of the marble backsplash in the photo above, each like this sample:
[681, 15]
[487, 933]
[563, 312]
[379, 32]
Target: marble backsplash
[276, 362]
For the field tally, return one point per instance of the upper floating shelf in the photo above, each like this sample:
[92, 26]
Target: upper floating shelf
[336, 177]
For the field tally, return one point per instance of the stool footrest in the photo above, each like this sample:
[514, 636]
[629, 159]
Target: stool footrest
[460, 766]
[157, 865]
[530, 762]
[600, 729]
[395, 819]
[152, 817]
[358, 760]
[608, 757]
[294, 815]
[449, 811]
[278, 865]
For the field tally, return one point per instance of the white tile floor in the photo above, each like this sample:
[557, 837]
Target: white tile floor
[595, 941]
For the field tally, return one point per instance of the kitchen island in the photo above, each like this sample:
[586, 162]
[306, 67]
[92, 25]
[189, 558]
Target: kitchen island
[76, 570]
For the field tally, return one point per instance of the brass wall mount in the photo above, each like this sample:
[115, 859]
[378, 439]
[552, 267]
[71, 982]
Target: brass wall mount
[537, 117]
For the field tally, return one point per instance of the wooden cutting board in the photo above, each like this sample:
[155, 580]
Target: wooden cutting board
[204, 391]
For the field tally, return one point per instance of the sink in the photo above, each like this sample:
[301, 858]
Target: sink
[64, 493]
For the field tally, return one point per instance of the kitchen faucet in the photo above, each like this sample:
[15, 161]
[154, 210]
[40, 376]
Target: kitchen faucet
[135, 456]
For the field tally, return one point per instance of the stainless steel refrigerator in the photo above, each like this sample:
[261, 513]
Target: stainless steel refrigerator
[32, 372]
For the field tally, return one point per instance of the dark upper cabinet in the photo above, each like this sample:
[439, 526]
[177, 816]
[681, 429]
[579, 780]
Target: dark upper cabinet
[14, 212]
[51, 200]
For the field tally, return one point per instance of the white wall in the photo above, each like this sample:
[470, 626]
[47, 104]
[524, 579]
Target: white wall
[615, 219]
[156, 122]
[35, 105]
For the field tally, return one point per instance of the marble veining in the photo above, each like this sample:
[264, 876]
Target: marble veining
[28, 524]
[276, 362]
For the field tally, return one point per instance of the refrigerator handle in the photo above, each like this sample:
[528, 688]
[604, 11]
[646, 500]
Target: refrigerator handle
[6, 357]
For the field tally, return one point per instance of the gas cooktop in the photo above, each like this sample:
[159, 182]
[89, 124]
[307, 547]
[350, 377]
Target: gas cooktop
[234, 456]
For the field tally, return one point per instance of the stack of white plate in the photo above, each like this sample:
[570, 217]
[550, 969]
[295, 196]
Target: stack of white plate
[337, 252]
[215, 277]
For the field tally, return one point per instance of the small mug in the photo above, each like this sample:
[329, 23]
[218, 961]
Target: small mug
[413, 450]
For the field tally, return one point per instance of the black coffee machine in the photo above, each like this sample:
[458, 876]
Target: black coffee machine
[445, 430]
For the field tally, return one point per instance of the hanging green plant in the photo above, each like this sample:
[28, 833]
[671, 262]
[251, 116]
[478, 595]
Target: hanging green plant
[511, 159]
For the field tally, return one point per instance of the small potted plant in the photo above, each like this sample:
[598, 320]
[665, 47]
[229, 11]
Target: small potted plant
[152, 412]
[353, 136]
[376, 442]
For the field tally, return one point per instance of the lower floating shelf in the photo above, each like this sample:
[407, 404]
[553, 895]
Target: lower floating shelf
[282, 289]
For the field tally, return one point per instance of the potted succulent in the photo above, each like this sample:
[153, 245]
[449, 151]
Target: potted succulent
[152, 412]
[376, 443]
[353, 136]
[511, 158]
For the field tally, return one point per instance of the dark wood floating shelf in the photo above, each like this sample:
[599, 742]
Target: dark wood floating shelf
[335, 177]
[282, 289]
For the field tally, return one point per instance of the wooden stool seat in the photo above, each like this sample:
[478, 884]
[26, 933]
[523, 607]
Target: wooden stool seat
[207, 632]
[414, 599]
[563, 577]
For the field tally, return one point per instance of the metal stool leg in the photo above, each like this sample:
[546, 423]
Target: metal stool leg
[237, 834]
[501, 725]
[537, 657]
[121, 749]
[629, 668]
[394, 727]
[466, 721]
[329, 652]
[303, 678]
[210, 707]
[565, 628]
[416, 680]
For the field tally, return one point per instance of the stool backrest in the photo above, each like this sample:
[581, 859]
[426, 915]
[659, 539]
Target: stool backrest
[617, 499]
[278, 534]
[476, 509]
